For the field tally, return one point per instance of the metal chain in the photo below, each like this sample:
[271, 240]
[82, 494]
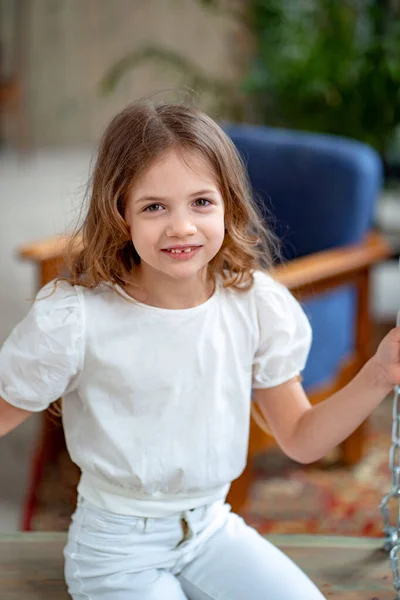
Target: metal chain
[392, 531]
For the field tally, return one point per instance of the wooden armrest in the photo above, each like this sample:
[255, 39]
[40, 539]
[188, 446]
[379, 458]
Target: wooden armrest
[49, 249]
[330, 268]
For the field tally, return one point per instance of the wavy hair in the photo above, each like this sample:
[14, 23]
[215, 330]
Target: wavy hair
[101, 248]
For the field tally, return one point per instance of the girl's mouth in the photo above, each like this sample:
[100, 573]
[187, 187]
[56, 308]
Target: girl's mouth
[181, 253]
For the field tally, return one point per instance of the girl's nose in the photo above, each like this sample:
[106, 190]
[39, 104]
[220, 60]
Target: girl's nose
[180, 227]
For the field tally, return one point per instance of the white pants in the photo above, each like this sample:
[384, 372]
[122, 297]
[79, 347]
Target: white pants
[207, 553]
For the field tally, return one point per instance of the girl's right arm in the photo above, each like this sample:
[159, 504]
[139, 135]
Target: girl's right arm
[42, 356]
[11, 417]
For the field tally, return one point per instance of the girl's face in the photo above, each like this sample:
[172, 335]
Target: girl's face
[175, 214]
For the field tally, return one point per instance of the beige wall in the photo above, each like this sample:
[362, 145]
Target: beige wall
[72, 43]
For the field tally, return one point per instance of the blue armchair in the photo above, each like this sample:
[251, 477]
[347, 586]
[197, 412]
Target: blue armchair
[321, 191]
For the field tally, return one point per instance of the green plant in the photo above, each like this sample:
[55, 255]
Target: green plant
[327, 65]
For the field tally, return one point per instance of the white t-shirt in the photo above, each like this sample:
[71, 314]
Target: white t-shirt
[156, 402]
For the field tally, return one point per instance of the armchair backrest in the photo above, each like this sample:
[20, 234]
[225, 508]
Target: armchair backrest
[320, 189]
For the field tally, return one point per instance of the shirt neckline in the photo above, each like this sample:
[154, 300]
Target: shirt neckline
[171, 311]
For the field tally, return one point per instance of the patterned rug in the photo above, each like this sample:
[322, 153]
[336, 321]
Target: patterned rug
[287, 498]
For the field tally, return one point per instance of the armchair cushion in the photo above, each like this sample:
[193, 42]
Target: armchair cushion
[332, 316]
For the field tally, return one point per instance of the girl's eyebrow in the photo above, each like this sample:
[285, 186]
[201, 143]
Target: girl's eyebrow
[142, 199]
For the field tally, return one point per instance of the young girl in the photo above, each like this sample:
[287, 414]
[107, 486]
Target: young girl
[156, 339]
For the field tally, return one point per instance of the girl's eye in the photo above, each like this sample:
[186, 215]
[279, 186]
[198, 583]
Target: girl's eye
[202, 202]
[153, 208]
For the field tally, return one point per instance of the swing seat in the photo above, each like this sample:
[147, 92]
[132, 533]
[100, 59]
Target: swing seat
[31, 565]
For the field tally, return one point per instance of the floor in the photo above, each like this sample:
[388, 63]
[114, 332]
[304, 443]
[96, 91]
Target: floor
[39, 196]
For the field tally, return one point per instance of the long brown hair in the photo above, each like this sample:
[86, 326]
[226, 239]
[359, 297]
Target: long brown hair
[101, 248]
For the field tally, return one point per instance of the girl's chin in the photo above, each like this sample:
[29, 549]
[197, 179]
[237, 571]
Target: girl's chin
[183, 272]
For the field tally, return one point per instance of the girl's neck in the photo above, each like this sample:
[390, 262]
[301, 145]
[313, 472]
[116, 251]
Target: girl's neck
[163, 292]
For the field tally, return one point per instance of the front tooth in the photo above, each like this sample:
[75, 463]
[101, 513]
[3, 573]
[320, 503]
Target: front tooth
[187, 250]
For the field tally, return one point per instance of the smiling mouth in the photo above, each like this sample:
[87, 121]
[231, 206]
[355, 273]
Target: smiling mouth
[184, 253]
[185, 250]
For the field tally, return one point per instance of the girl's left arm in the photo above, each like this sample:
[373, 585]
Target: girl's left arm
[305, 432]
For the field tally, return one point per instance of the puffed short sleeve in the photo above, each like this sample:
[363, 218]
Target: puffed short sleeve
[284, 334]
[43, 355]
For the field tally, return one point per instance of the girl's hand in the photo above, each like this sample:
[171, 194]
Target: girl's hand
[387, 359]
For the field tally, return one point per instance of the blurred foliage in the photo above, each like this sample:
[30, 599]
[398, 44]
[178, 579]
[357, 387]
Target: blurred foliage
[318, 65]
[327, 65]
